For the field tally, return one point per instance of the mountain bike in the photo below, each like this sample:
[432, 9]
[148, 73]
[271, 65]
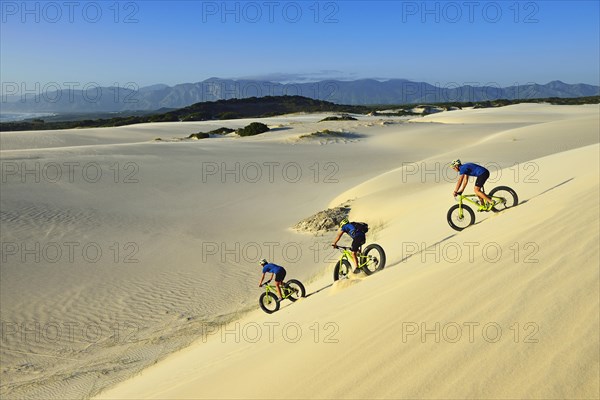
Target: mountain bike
[269, 301]
[371, 260]
[461, 215]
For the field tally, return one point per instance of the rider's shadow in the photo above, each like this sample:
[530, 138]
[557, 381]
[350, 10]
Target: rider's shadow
[319, 290]
[546, 191]
[424, 250]
[307, 296]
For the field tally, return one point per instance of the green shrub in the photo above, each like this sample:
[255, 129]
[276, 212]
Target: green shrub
[222, 131]
[199, 135]
[343, 117]
[254, 128]
[328, 134]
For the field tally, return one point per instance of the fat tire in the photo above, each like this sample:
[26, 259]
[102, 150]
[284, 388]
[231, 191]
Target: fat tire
[295, 284]
[511, 198]
[468, 216]
[269, 302]
[336, 271]
[374, 248]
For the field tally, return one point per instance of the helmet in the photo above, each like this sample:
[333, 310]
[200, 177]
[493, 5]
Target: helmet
[455, 163]
[263, 261]
[344, 221]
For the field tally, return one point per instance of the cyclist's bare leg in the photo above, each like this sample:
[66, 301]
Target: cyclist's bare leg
[482, 196]
[355, 258]
[278, 285]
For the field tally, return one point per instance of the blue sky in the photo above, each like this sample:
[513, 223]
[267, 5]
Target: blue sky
[147, 42]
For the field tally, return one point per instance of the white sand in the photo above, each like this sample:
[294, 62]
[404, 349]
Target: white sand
[531, 272]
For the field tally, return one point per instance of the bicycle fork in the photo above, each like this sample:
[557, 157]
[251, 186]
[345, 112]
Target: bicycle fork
[460, 209]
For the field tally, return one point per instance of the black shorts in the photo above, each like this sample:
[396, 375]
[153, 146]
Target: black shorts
[358, 241]
[280, 275]
[482, 178]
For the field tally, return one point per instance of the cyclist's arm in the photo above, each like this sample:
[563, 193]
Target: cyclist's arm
[462, 181]
[340, 233]
[261, 279]
[465, 181]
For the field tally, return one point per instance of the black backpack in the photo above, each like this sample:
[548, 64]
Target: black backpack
[361, 226]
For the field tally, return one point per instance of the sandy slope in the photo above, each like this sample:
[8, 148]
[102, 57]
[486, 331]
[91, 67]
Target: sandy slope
[516, 318]
[196, 237]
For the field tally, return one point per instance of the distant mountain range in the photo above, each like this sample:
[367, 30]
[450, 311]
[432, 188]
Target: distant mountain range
[358, 92]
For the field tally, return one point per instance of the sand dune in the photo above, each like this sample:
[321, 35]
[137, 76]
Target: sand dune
[496, 311]
[518, 312]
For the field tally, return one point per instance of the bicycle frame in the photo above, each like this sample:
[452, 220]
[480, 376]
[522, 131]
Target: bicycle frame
[285, 291]
[347, 255]
[461, 215]
[370, 260]
[471, 198]
[474, 199]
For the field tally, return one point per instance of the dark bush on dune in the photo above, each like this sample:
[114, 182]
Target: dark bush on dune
[222, 131]
[199, 135]
[254, 128]
[344, 117]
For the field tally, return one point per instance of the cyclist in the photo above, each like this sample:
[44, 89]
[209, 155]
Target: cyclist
[482, 174]
[277, 271]
[358, 238]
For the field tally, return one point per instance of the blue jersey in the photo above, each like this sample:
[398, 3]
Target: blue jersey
[272, 268]
[352, 231]
[471, 169]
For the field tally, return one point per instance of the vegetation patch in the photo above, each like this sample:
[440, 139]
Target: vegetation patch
[343, 117]
[221, 131]
[199, 135]
[206, 135]
[328, 134]
[254, 128]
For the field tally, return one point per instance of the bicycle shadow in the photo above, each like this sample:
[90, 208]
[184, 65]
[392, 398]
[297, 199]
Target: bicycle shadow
[314, 292]
[319, 290]
[308, 295]
[408, 257]
[546, 191]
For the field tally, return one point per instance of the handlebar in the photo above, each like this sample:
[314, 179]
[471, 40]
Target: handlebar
[341, 247]
[265, 283]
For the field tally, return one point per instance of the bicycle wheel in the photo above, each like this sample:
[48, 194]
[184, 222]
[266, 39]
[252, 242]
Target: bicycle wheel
[375, 258]
[508, 198]
[458, 222]
[269, 302]
[342, 270]
[297, 289]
